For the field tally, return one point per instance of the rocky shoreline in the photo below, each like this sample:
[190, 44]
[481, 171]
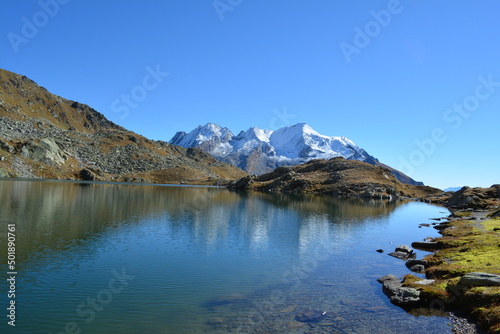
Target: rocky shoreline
[462, 276]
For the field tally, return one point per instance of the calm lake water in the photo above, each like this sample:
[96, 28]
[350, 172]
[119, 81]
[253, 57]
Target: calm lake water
[114, 258]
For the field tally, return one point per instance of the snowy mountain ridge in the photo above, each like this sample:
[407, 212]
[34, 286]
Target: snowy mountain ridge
[259, 151]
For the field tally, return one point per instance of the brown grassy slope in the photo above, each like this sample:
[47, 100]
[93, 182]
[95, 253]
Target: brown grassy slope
[469, 198]
[339, 177]
[475, 198]
[22, 98]
[85, 139]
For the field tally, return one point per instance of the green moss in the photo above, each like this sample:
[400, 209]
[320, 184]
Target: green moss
[462, 214]
[492, 225]
[489, 316]
[429, 292]
[469, 247]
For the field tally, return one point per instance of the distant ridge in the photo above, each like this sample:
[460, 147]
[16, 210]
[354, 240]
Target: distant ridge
[260, 151]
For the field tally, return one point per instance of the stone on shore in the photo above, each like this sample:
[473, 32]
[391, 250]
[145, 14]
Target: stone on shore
[480, 279]
[417, 266]
[426, 245]
[442, 226]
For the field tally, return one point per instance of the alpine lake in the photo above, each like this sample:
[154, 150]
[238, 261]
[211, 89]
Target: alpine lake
[134, 258]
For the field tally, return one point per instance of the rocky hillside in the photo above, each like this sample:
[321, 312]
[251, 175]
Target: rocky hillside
[46, 136]
[338, 177]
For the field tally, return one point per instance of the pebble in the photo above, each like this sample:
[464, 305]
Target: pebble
[288, 309]
[462, 325]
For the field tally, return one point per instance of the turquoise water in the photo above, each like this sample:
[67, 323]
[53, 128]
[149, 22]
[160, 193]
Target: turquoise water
[110, 258]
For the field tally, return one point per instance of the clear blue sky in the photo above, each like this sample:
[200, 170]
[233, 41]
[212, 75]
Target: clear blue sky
[385, 74]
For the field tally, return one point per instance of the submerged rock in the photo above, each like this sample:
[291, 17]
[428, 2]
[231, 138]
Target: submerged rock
[294, 324]
[310, 315]
[235, 298]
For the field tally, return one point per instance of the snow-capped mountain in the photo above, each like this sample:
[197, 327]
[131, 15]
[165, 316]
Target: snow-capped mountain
[260, 151]
[300, 142]
[211, 138]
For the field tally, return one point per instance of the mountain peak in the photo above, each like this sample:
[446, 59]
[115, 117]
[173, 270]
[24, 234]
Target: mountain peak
[210, 126]
[259, 134]
[259, 151]
[210, 129]
[289, 145]
[299, 129]
[210, 137]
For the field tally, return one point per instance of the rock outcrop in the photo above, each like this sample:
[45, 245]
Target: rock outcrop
[338, 177]
[46, 151]
[475, 198]
[397, 293]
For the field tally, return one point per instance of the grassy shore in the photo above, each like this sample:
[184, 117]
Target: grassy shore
[468, 245]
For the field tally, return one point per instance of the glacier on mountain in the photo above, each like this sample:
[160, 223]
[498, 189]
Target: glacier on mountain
[259, 151]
